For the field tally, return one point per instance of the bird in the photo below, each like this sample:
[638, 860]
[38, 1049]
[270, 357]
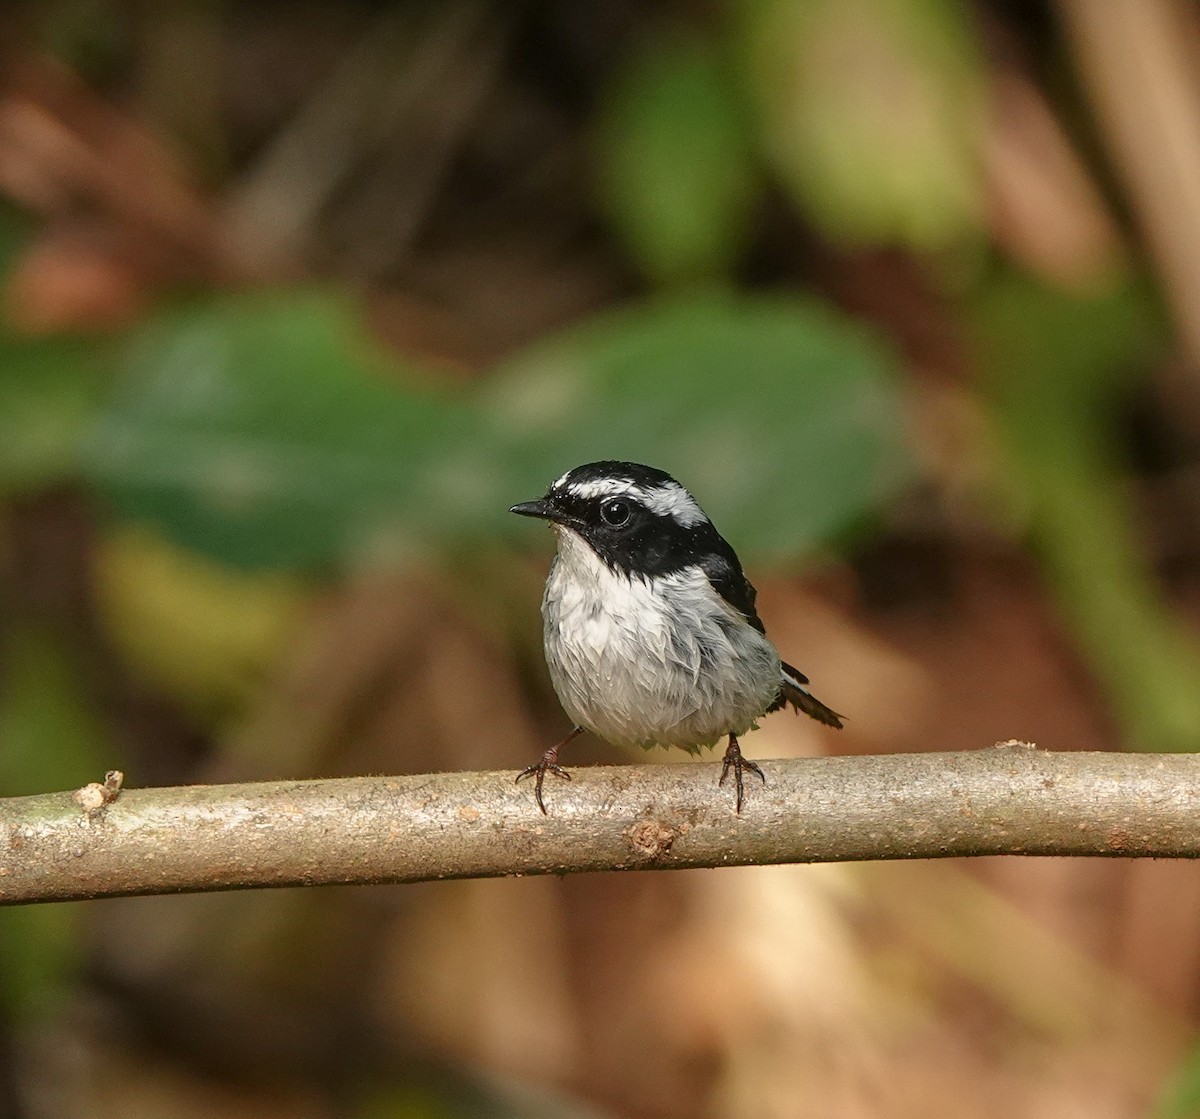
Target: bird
[650, 629]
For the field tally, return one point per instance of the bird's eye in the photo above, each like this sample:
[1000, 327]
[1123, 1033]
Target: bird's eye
[615, 513]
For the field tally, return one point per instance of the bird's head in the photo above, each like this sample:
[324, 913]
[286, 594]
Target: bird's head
[636, 518]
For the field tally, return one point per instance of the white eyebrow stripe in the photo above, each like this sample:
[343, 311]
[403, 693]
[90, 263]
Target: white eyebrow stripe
[603, 487]
[668, 500]
[672, 500]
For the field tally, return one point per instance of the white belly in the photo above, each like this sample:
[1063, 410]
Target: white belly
[673, 666]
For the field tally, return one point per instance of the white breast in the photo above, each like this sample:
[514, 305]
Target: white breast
[667, 662]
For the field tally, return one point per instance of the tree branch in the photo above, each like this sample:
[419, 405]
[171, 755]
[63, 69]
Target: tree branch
[1012, 799]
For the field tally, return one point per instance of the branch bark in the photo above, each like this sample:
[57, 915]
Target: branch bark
[1011, 799]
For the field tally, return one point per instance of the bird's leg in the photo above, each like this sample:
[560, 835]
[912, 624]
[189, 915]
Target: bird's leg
[549, 764]
[735, 761]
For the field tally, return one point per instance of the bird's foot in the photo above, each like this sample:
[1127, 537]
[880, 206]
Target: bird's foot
[547, 764]
[734, 760]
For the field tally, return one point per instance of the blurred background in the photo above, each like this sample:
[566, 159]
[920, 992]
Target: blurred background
[298, 297]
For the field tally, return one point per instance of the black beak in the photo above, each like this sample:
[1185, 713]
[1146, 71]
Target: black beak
[544, 509]
[540, 509]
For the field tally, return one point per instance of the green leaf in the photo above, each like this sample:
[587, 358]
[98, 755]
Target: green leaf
[267, 430]
[779, 413]
[676, 172]
[870, 112]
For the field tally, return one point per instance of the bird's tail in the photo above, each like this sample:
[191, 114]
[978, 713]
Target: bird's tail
[793, 689]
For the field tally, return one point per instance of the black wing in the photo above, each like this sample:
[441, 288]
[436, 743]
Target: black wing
[793, 690]
[729, 581]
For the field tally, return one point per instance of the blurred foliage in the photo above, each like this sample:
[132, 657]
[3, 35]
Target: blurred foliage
[675, 163]
[42, 947]
[779, 411]
[92, 36]
[265, 430]
[248, 442]
[201, 632]
[870, 112]
[1181, 1099]
[1059, 367]
[50, 735]
[466, 1100]
[49, 392]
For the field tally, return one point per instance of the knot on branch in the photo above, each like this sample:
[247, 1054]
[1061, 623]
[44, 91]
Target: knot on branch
[94, 797]
[651, 839]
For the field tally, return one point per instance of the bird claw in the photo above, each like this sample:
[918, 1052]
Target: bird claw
[734, 760]
[547, 764]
